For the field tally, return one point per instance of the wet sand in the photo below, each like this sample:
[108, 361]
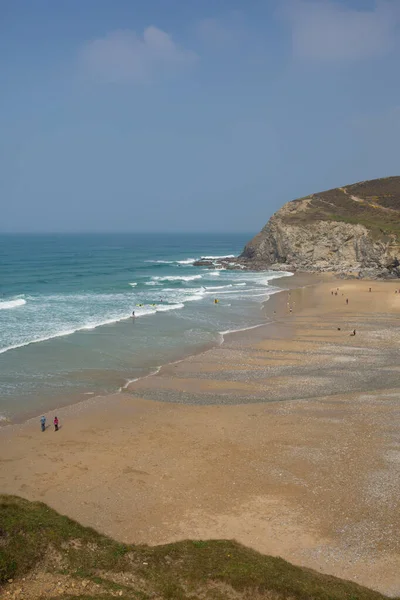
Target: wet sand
[286, 438]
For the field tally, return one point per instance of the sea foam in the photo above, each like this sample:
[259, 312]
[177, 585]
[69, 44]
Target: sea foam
[188, 261]
[177, 278]
[7, 304]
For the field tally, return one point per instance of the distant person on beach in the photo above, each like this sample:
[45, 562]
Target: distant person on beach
[370, 289]
[133, 314]
[353, 333]
[43, 423]
[55, 423]
[347, 300]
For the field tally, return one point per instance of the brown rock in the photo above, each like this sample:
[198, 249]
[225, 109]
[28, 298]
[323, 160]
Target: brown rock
[355, 228]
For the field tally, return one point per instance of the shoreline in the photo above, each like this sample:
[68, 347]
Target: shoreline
[286, 442]
[27, 416]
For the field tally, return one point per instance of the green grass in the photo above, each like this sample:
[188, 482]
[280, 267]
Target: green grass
[32, 535]
[336, 205]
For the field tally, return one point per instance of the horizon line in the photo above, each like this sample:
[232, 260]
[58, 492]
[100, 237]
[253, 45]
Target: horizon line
[122, 232]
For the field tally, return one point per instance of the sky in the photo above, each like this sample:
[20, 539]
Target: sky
[190, 115]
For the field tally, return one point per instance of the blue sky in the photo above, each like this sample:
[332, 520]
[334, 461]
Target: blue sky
[189, 115]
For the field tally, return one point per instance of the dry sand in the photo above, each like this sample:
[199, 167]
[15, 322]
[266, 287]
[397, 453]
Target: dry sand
[286, 438]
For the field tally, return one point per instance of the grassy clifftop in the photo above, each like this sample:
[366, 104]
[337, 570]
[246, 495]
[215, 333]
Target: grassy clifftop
[374, 204]
[46, 555]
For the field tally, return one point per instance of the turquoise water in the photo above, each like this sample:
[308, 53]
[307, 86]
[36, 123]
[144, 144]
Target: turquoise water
[66, 301]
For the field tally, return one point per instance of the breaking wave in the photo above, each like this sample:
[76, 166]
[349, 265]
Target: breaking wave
[177, 278]
[7, 304]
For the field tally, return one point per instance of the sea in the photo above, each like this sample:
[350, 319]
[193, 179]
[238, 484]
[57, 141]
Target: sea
[66, 331]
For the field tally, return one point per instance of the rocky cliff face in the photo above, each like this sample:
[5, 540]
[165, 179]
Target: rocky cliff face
[351, 229]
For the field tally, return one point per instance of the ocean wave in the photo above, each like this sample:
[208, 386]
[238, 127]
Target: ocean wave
[194, 297]
[134, 284]
[215, 273]
[188, 261]
[232, 291]
[166, 307]
[176, 278]
[65, 332]
[39, 339]
[183, 294]
[224, 333]
[217, 257]
[7, 304]
[152, 309]
[129, 381]
[160, 262]
[88, 326]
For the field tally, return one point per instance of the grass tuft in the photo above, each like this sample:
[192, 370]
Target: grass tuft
[35, 537]
[378, 209]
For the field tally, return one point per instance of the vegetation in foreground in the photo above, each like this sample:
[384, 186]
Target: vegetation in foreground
[44, 555]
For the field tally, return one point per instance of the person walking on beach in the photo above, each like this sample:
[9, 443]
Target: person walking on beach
[43, 423]
[347, 300]
[55, 423]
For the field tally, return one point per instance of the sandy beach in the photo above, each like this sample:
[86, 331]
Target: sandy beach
[286, 438]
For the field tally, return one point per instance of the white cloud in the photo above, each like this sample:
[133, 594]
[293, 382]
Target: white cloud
[323, 30]
[125, 56]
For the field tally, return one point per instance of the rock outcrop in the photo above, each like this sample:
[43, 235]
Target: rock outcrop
[351, 229]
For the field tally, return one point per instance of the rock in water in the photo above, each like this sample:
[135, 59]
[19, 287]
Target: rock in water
[355, 228]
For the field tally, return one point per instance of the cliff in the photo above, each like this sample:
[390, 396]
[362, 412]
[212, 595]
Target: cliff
[355, 228]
